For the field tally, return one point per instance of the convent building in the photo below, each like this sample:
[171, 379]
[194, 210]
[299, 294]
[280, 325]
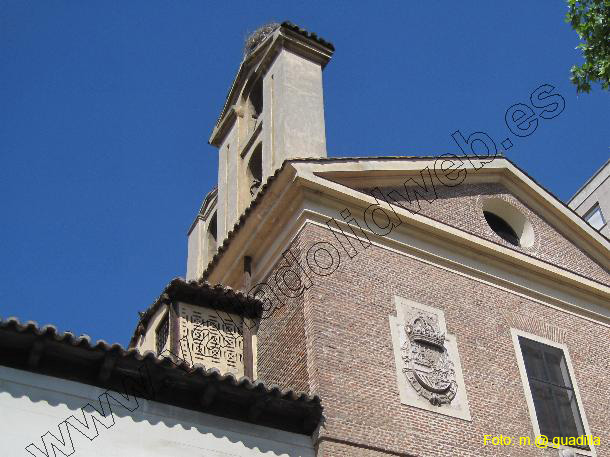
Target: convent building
[427, 306]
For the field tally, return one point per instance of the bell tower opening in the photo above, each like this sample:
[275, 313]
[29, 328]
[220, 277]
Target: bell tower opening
[255, 169]
[249, 110]
[256, 98]
[212, 236]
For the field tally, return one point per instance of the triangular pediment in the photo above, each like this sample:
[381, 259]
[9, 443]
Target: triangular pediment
[462, 195]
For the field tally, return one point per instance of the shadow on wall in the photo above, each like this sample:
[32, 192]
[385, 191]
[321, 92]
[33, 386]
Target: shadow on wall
[52, 417]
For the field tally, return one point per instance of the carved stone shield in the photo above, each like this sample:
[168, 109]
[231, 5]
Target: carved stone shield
[427, 364]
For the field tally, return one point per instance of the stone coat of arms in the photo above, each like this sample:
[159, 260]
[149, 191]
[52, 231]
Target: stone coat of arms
[427, 364]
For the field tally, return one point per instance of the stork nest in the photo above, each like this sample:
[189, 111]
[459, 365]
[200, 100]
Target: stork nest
[258, 36]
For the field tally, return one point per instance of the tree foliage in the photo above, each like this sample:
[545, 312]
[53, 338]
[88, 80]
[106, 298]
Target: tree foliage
[591, 20]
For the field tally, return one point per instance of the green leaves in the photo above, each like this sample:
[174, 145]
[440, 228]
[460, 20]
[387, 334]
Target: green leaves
[591, 21]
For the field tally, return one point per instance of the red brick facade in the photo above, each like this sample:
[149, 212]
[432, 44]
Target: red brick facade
[282, 357]
[336, 342]
[457, 206]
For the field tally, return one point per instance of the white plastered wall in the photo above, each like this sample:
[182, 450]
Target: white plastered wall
[32, 405]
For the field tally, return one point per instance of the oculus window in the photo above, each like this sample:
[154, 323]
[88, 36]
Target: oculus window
[553, 394]
[501, 228]
[595, 218]
[161, 334]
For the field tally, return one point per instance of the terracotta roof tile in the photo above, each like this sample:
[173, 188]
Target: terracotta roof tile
[64, 355]
[312, 36]
[200, 293]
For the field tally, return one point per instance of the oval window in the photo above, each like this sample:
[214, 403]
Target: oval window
[501, 228]
[508, 222]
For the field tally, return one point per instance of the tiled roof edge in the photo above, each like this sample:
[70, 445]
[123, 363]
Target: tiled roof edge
[84, 342]
[312, 36]
[250, 305]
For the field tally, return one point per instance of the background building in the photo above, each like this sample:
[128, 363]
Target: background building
[592, 201]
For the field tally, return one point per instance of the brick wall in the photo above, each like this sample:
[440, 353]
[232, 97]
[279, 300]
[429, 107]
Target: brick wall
[460, 207]
[281, 349]
[350, 363]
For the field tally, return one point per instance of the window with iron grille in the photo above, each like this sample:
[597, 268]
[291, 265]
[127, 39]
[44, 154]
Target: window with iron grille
[161, 334]
[555, 402]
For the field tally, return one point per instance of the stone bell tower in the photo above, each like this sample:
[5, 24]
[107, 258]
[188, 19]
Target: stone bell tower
[274, 111]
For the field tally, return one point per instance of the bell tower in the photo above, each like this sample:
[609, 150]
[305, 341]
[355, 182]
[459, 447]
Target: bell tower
[274, 111]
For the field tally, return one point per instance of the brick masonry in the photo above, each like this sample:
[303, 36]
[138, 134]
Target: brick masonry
[335, 342]
[281, 356]
[461, 207]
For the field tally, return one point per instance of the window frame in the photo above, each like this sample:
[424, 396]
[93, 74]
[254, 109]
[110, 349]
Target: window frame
[528, 393]
[589, 214]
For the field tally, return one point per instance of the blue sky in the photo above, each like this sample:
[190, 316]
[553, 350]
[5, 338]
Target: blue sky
[106, 108]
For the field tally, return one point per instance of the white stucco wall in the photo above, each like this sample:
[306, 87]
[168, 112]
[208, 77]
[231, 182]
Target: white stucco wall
[32, 405]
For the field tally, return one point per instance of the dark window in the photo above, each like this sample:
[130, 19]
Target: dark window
[255, 169]
[501, 228]
[161, 334]
[256, 97]
[552, 391]
[212, 228]
[212, 236]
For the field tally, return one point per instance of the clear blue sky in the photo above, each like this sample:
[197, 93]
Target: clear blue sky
[106, 108]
